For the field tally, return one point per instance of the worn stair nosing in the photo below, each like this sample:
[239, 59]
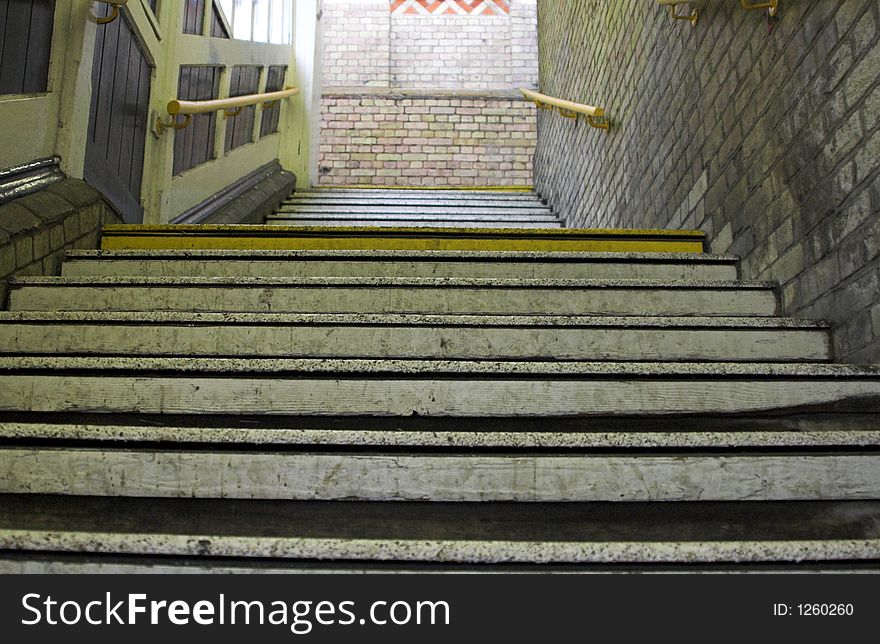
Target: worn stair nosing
[493, 368]
[411, 320]
[330, 223]
[341, 437]
[406, 255]
[449, 551]
[400, 282]
[261, 230]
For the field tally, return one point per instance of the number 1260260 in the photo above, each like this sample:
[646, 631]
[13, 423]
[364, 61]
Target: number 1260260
[813, 610]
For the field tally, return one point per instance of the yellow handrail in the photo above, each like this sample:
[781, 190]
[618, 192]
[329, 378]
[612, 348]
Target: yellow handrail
[231, 106]
[176, 106]
[595, 115]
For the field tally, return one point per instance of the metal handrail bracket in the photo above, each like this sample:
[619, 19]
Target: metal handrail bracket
[595, 115]
[114, 13]
[772, 6]
[694, 15]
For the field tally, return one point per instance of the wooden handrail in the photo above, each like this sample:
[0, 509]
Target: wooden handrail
[231, 106]
[568, 109]
[177, 107]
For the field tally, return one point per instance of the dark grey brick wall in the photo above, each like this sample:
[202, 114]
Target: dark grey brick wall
[36, 230]
[767, 139]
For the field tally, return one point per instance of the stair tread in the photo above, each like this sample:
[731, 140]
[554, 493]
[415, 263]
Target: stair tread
[433, 224]
[483, 368]
[416, 193]
[427, 205]
[259, 229]
[427, 282]
[393, 319]
[500, 255]
[426, 209]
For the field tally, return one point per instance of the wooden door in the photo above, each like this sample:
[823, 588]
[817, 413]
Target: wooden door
[121, 76]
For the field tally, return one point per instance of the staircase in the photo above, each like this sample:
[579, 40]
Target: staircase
[417, 380]
[435, 208]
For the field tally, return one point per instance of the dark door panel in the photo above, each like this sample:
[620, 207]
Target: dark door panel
[121, 77]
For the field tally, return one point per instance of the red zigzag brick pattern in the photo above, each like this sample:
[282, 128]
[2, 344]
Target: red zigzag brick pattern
[451, 7]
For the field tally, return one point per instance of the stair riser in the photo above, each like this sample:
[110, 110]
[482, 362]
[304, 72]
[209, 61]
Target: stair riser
[409, 299]
[442, 478]
[395, 396]
[417, 342]
[397, 223]
[426, 208]
[378, 268]
[430, 196]
[438, 211]
[401, 240]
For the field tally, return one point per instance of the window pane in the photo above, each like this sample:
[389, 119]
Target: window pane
[243, 14]
[261, 20]
[276, 22]
[288, 22]
[226, 5]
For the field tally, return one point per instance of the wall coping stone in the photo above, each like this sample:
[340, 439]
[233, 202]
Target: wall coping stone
[400, 93]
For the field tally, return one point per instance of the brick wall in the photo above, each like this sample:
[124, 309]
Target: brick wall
[451, 52]
[356, 43]
[37, 229]
[366, 45]
[417, 139]
[766, 139]
[393, 111]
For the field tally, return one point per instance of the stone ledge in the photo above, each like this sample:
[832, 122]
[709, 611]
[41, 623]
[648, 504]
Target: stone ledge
[395, 93]
[38, 228]
[248, 201]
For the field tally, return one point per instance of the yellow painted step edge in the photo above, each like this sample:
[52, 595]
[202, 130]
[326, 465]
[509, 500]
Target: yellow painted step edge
[365, 231]
[247, 237]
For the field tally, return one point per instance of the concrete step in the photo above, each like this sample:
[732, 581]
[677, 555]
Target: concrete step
[646, 467]
[427, 388]
[32, 563]
[456, 296]
[424, 204]
[41, 534]
[575, 467]
[439, 477]
[421, 337]
[473, 264]
[260, 237]
[327, 220]
[435, 212]
[807, 433]
[511, 196]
